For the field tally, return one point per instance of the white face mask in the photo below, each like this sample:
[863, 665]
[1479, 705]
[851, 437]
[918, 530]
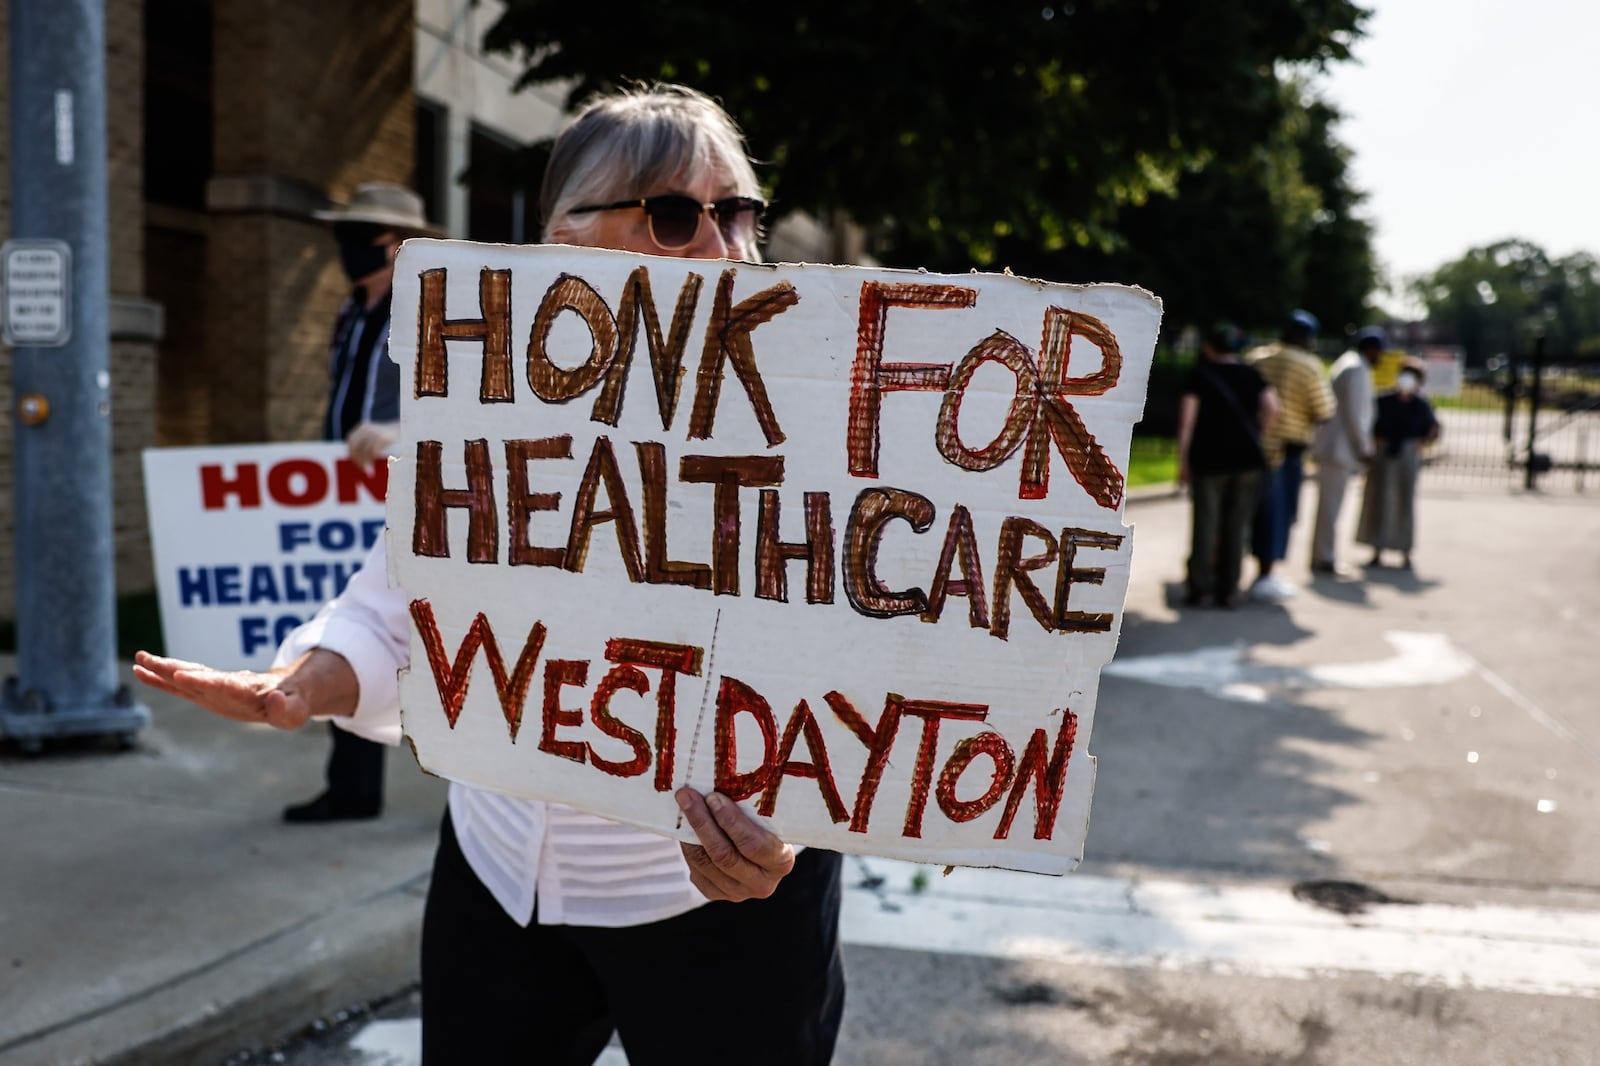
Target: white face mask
[1408, 382]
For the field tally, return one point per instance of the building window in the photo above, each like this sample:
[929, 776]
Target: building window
[428, 168]
[500, 194]
[177, 107]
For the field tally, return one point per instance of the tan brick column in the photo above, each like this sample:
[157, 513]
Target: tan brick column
[311, 97]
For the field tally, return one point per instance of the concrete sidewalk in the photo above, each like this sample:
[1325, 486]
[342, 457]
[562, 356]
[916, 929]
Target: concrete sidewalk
[153, 908]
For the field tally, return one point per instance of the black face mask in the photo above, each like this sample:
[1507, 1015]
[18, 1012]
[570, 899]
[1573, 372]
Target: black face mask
[361, 257]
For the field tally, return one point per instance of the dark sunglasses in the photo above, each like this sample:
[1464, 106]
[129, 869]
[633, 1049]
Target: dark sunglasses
[674, 220]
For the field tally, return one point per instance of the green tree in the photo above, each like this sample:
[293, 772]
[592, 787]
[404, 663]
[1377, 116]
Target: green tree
[1494, 299]
[1251, 235]
[964, 132]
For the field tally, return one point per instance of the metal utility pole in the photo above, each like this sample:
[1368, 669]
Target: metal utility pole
[1535, 396]
[54, 282]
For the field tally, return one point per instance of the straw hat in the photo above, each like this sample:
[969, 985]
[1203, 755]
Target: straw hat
[384, 204]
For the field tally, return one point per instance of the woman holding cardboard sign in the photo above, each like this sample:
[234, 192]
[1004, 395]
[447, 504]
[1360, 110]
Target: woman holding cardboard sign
[547, 928]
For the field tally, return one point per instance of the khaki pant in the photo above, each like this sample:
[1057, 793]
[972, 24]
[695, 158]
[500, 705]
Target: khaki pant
[1332, 480]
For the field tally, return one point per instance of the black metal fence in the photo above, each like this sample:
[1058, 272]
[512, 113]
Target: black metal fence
[1533, 423]
[1544, 408]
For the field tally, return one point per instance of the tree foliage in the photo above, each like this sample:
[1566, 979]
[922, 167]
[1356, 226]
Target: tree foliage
[1495, 299]
[1048, 138]
[1251, 235]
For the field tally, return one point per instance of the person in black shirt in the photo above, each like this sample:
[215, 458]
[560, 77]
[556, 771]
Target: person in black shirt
[1225, 407]
[363, 402]
[1405, 424]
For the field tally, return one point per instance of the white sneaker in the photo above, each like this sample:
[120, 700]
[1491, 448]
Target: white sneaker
[1272, 589]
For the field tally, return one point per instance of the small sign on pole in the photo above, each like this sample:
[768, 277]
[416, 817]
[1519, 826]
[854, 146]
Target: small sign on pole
[36, 276]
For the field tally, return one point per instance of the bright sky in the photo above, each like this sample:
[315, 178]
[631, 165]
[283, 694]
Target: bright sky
[1472, 121]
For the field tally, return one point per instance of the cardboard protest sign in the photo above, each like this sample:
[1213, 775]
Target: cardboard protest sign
[845, 545]
[249, 540]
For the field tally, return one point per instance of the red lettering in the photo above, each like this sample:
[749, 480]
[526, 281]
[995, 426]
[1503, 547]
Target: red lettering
[671, 660]
[995, 747]
[619, 677]
[932, 712]
[559, 673]
[871, 377]
[216, 487]
[734, 698]
[803, 722]
[1049, 777]
[1057, 422]
[451, 677]
[311, 475]
[349, 479]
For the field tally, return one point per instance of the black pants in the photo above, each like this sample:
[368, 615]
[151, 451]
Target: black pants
[355, 769]
[754, 982]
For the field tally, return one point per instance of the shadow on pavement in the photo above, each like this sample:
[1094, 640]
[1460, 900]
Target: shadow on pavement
[1197, 780]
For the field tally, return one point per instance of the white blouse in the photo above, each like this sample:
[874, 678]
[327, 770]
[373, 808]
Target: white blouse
[582, 869]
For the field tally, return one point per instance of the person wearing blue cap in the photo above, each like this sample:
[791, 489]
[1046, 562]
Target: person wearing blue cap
[1304, 401]
[1343, 444]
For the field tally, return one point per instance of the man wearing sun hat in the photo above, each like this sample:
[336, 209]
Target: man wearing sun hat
[363, 406]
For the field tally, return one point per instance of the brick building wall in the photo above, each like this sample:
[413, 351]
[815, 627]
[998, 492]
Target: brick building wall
[300, 101]
[312, 97]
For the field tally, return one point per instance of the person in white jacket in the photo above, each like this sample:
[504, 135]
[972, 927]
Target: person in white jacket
[1342, 446]
[546, 929]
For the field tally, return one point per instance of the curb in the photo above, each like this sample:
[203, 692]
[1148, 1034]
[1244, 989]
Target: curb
[253, 997]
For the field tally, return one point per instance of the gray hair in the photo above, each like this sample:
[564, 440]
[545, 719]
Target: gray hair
[629, 142]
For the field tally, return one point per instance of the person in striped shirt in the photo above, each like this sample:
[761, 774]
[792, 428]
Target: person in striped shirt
[546, 928]
[1304, 401]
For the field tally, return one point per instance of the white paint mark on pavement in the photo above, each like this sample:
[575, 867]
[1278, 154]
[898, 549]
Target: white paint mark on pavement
[399, 1043]
[1254, 931]
[1228, 673]
[390, 1043]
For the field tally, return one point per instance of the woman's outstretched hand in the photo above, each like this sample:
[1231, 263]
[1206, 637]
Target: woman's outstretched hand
[319, 682]
[736, 858]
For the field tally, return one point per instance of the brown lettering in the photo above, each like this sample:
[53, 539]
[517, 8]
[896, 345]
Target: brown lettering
[520, 503]
[959, 541]
[728, 473]
[932, 712]
[430, 533]
[995, 747]
[1000, 347]
[666, 355]
[493, 330]
[728, 340]
[1056, 421]
[1069, 575]
[451, 677]
[1011, 569]
[863, 535]
[603, 467]
[772, 579]
[658, 568]
[555, 384]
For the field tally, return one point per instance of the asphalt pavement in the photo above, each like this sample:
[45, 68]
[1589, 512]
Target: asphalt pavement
[1431, 736]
